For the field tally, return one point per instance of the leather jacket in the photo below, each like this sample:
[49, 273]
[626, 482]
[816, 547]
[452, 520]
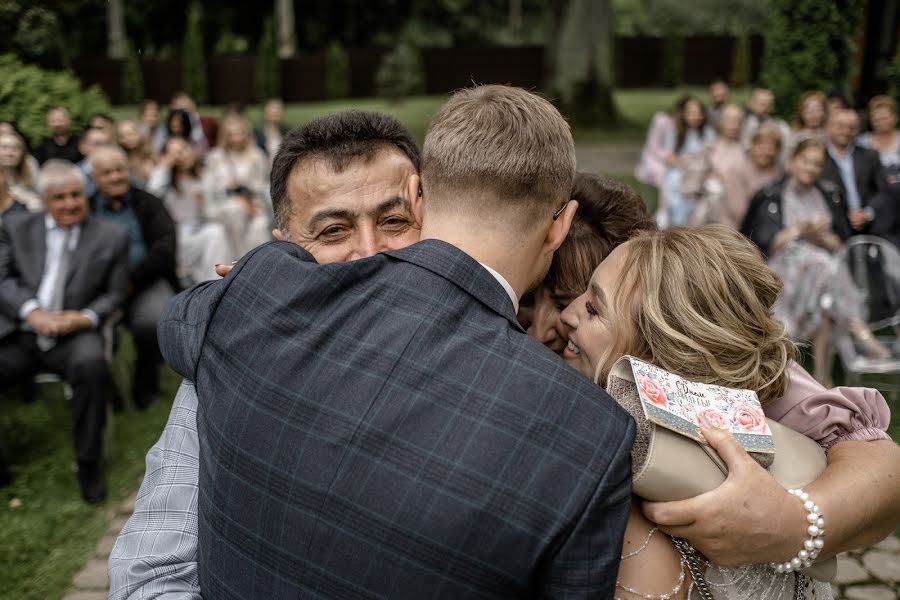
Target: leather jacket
[764, 218]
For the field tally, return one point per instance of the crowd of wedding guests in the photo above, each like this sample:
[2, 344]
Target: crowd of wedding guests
[185, 191]
[798, 190]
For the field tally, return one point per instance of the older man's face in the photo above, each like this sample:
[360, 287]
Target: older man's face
[111, 175]
[842, 127]
[65, 202]
[363, 210]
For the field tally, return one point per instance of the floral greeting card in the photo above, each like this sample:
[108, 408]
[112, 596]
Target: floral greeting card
[679, 405]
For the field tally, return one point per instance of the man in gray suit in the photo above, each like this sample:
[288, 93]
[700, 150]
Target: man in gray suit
[383, 427]
[62, 273]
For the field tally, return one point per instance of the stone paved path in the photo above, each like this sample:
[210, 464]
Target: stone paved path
[92, 582]
[872, 574]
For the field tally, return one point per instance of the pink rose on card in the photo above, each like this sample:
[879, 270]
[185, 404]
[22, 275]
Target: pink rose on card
[749, 418]
[712, 417]
[652, 392]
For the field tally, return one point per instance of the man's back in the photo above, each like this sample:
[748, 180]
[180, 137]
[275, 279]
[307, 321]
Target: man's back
[382, 428]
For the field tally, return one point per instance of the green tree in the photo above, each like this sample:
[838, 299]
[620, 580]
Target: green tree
[132, 77]
[27, 92]
[809, 45]
[38, 38]
[193, 63]
[740, 61]
[268, 66]
[337, 71]
[401, 73]
[581, 62]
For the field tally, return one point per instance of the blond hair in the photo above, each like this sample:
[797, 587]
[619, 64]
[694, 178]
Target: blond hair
[698, 302]
[495, 148]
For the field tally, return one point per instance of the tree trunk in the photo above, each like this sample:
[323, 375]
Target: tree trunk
[115, 29]
[287, 32]
[582, 60]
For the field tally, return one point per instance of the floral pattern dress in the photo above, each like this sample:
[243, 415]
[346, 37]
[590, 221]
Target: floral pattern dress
[816, 284]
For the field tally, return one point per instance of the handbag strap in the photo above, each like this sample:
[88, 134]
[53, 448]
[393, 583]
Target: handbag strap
[700, 584]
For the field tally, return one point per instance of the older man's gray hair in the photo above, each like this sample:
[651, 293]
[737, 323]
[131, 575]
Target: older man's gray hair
[56, 171]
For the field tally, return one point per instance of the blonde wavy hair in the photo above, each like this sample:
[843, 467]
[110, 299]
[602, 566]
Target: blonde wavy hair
[698, 302]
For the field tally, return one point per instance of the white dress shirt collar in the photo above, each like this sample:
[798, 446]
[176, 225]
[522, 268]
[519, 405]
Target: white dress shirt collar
[508, 288]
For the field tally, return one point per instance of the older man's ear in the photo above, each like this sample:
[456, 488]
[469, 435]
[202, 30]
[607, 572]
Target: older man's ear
[276, 233]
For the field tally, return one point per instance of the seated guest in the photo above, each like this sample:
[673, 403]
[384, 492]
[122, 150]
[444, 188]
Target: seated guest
[62, 273]
[853, 170]
[759, 111]
[236, 186]
[202, 242]
[21, 170]
[197, 134]
[718, 98]
[141, 158]
[884, 137]
[810, 118]
[62, 143]
[269, 136]
[151, 125]
[151, 260]
[799, 223]
[715, 179]
[91, 140]
[652, 165]
[178, 125]
[8, 204]
[104, 123]
[688, 137]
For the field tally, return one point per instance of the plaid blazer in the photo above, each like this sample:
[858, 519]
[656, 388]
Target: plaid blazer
[384, 429]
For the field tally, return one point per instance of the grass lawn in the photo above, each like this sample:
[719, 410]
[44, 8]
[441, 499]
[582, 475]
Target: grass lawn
[47, 533]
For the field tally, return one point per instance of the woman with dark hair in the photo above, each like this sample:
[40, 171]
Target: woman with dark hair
[201, 241]
[688, 137]
[178, 125]
[799, 223]
[608, 213]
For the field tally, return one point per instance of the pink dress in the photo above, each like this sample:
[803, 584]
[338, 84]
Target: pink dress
[833, 415]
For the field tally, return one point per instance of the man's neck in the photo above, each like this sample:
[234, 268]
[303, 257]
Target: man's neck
[511, 258]
[840, 150]
[6, 201]
[61, 138]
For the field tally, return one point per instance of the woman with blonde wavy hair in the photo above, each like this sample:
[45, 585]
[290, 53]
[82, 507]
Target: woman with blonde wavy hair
[697, 303]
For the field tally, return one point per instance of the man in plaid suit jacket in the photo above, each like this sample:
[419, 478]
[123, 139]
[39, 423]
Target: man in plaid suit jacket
[384, 428]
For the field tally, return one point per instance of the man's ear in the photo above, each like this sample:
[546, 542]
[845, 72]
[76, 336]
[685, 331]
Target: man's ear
[276, 233]
[415, 195]
[559, 228]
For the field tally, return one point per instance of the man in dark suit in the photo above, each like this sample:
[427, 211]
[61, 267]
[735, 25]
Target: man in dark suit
[856, 171]
[151, 260]
[384, 427]
[62, 273]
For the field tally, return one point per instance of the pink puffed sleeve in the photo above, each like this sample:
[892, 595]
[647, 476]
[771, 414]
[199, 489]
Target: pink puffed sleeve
[833, 415]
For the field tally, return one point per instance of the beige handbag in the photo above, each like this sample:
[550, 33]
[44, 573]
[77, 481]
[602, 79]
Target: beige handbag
[668, 466]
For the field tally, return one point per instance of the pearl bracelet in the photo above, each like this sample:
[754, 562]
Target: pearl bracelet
[812, 546]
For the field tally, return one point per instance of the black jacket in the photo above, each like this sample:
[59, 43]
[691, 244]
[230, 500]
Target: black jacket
[764, 218]
[158, 231]
[871, 182]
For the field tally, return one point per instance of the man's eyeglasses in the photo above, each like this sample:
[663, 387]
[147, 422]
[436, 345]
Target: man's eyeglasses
[560, 210]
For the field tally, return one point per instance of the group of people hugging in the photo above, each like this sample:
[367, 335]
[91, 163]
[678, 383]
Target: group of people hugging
[363, 414]
[798, 191]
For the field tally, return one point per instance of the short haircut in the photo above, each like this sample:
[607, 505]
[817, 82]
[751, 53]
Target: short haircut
[609, 213]
[105, 152]
[495, 148]
[882, 102]
[768, 131]
[337, 139]
[56, 170]
[806, 144]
